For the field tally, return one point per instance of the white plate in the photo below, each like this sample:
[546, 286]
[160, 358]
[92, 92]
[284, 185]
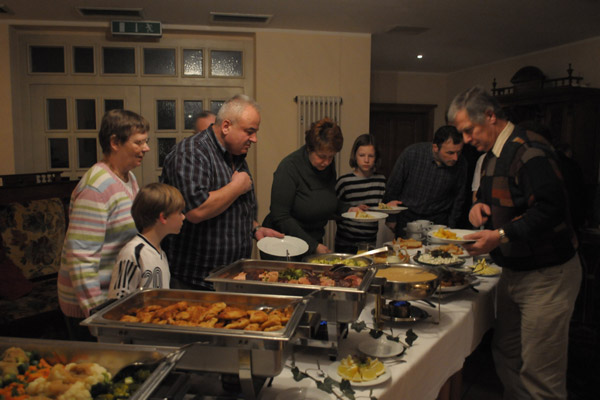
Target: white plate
[381, 348]
[459, 232]
[393, 210]
[277, 247]
[302, 394]
[333, 374]
[375, 216]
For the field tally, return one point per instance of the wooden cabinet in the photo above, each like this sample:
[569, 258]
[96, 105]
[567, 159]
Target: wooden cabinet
[573, 115]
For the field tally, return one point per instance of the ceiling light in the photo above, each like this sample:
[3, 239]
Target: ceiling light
[419, 56]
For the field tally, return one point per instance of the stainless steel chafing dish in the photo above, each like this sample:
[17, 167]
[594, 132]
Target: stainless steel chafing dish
[329, 307]
[413, 290]
[333, 303]
[249, 353]
[111, 356]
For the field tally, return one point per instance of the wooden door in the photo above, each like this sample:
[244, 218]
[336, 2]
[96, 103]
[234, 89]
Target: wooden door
[397, 126]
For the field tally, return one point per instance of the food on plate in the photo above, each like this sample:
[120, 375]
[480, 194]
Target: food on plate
[39, 378]
[383, 206]
[211, 315]
[405, 274]
[408, 243]
[363, 215]
[453, 278]
[483, 268]
[437, 257]
[450, 248]
[360, 369]
[303, 276]
[446, 234]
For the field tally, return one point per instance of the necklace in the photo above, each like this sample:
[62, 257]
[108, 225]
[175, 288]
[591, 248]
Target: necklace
[116, 171]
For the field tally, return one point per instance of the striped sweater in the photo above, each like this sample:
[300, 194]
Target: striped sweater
[356, 190]
[100, 224]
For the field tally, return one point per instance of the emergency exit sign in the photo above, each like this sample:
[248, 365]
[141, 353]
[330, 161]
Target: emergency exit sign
[137, 28]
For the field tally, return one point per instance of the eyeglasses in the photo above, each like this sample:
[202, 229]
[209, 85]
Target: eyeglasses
[141, 143]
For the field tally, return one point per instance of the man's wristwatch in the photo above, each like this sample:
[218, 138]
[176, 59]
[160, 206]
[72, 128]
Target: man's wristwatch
[503, 237]
[254, 230]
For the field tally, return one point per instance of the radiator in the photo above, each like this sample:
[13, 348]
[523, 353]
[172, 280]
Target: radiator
[312, 109]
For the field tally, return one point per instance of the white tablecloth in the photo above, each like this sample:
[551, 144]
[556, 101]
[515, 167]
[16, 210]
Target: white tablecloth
[436, 355]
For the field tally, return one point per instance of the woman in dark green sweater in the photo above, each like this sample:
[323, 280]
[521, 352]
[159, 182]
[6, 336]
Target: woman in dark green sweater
[303, 194]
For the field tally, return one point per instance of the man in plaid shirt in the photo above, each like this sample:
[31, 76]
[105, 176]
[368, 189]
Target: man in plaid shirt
[430, 180]
[211, 172]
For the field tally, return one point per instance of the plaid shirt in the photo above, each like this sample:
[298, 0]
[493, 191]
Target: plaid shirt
[196, 166]
[426, 188]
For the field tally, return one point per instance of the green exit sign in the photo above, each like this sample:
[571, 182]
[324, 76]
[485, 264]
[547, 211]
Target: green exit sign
[137, 28]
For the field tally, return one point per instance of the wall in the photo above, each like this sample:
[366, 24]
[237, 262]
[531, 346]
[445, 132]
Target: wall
[295, 63]
[411, 88]
[584, 57]
[7, 159]
[416, 88]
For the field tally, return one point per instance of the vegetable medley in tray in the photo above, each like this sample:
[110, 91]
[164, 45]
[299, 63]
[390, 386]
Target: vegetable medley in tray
[29, 371]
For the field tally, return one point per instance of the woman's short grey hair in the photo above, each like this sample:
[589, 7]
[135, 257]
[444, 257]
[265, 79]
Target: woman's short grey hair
[122, 124]
[233, 108]
[477, 102]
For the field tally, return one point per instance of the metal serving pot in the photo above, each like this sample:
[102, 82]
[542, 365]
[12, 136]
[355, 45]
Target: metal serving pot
[411, 288]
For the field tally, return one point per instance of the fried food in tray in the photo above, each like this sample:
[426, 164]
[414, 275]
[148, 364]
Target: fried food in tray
[211, 315]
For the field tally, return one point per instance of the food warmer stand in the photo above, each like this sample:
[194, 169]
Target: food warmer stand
[252, 356]
[329, 310]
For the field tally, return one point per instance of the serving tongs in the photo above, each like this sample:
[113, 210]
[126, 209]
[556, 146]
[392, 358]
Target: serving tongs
[354, 268]
[161, 366]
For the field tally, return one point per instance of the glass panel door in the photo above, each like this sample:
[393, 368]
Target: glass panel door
[66, 122]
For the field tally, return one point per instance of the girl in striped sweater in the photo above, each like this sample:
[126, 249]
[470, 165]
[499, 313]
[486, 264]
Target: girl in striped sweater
[363, 186]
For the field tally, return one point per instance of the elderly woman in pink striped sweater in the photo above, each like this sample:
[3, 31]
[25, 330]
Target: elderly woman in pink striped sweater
[100, 221]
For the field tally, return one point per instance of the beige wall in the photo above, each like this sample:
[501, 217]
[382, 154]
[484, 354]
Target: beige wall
[7, 158]
[289, 64]
[584, 57]
[411, 88]
[416, 88]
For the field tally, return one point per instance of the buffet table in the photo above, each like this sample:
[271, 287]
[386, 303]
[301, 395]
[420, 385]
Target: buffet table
[437, 354]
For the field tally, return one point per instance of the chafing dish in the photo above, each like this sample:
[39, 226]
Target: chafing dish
[215, 349]
[413, 290]
[330, 308]
[111, 356]
[333, 303]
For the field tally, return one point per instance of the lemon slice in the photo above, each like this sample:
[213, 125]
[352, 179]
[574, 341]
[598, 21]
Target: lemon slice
[348, 371]
[368, 374]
